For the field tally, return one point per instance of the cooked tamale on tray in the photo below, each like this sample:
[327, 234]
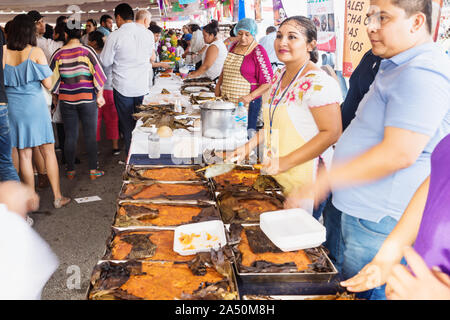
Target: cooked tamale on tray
[245, 176]
[142, 214]
[166, 173]
[189, 89]
[160, 190]
[246, 207]
[258, 259]
[155, 244]
[200, 80]
[208, 276]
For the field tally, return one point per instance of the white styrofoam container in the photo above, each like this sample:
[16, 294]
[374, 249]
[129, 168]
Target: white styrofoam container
[214, 228]
[293, 229]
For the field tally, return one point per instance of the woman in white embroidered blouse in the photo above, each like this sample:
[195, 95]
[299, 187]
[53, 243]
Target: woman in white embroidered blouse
[302, 118]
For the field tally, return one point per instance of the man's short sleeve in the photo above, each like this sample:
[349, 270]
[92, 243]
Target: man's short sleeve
[418, 101]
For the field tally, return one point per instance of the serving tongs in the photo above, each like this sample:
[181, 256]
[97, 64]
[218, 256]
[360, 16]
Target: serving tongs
[218, 169]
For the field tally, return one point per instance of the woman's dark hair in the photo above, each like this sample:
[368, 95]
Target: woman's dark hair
[212, 28]
[232, 34]
[61, 19]
[7, 26]
[155, 28]
[97, 36]
[124, 11]
[194, 27]
[73, 32]
[94, 23]
[60, 30]
[309, 30]
[21, 32]
[183, 44]
[48, 32]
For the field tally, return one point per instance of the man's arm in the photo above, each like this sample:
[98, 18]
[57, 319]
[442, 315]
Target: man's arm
[211, 56]
[108, 52]
[399, 149]
[404, 234]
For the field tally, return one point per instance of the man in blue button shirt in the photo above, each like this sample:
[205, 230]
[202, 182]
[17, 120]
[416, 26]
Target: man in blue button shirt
[106, 23]
[384, 155]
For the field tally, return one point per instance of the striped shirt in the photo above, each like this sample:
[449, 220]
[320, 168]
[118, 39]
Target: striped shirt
[77, 74]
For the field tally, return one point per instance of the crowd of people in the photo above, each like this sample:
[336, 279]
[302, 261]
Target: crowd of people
[373, 166]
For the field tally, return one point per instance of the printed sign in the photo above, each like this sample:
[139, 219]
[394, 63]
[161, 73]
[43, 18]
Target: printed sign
[279, 14]
[356, 40]
[321, 12]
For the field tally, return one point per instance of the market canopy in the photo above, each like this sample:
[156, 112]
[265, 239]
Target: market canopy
[94, 9]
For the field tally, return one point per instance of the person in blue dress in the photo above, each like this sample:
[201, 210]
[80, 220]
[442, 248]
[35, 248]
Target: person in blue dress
[25, 70]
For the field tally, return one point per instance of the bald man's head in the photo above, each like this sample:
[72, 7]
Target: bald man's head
[144, 17]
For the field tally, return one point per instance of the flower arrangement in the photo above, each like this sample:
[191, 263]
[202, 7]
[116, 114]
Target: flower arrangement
[167, 48]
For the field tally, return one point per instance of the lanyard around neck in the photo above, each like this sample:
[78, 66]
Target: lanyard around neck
[272, 114]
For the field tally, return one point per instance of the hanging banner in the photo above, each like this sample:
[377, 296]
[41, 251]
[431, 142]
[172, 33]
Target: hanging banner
[279, 14]
[321, 12]
[250, 9]
[236, 10]
[258, 10]
[437, 10]
[444, 26]
[356, 40]
[267, 10]
[241, 10]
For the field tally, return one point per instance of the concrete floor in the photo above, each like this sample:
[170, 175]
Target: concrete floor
[78, 233]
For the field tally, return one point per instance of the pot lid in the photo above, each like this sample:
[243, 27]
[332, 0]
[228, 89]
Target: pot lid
[218, 105]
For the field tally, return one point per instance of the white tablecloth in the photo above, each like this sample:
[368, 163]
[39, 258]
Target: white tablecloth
[139, 141]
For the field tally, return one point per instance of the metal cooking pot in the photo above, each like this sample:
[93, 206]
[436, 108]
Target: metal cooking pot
[217, 119]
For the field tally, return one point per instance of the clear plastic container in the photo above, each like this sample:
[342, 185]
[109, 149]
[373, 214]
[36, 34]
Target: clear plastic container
[154, 147]
[241, 119]
[293, 229]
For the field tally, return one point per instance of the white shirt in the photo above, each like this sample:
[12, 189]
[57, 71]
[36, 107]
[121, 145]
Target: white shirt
[49, 46]
[179, 51]
[128, 50]
[197, 43]
[27, 260]
[216, 69]
[85, 39]
[268, 43]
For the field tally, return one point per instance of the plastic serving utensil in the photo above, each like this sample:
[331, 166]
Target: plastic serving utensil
[222, 168]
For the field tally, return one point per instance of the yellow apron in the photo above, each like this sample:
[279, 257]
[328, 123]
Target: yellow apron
[234, 85]
[284, 140]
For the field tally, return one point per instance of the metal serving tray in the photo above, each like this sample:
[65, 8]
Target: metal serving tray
[195, 203]
[129, 168]
[289, 277]
[280, 276]
[115, 233]
[210, 196]
[232, 276]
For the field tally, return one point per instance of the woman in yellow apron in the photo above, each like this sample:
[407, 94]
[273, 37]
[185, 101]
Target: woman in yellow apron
[247, 71]
[301, 111]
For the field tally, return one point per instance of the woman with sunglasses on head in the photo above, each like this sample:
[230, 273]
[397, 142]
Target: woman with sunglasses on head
[301, 110]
